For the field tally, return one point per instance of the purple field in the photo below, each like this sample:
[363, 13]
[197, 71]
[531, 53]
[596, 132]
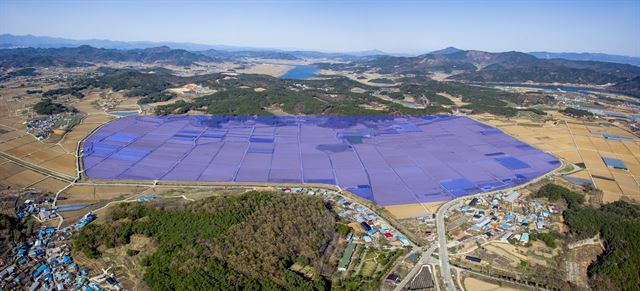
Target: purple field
[389, 160]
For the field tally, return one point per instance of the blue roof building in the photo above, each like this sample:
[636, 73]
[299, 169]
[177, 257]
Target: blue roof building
[615, 163]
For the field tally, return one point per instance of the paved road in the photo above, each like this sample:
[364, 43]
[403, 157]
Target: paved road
[440, 215]
[442, 230]
[445, 268]
[424, 259]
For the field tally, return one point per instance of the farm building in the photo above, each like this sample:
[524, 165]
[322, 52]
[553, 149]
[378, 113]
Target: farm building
[615, 163]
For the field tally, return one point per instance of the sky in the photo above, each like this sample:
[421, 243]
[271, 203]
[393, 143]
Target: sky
[400, 26]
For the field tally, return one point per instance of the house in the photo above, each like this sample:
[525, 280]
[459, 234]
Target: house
[411, 260]
[343, 264]
[393, 278]
[506, 236]
[480, 225]
[474, 202]
[405, 242]
[8, 271]
[34, 286]
[473, 259]
[365, 225]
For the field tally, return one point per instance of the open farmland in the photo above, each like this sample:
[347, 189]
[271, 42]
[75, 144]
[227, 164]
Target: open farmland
[59, 155]
[473, 284]
[389, 160]
[585, 142]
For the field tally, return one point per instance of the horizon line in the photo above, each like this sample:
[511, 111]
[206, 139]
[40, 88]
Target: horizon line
[410, 52]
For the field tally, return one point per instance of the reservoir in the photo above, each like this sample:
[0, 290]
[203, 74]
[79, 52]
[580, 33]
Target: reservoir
[124, 113]
[301, 72]
[560, 88]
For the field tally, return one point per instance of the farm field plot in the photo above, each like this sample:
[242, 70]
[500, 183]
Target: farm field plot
[8, 169]
[582, 142]
[65, 164]
[473, 284]
[24, 146]
[50, 185]
[94, 194]
[413, 210]
[389, 160]
[23, 179]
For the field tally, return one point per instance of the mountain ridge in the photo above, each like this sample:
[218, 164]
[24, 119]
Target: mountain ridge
[21, 41]
[586, 56]
[86, 55]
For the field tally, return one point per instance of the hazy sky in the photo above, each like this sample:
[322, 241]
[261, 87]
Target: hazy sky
[393, 26]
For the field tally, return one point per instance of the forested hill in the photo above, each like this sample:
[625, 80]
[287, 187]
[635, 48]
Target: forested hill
[333, 95]
[618, 225]
[261, 54]
[479, 66]
[589, 57]
[245, 242]
[86, 55]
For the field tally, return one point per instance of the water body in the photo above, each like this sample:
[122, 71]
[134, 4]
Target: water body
[302, 72]
[559, 88]
[411, 105]
[124, 113]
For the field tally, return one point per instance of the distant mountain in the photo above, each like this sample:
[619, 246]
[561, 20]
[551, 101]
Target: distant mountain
[24, 41]
[86, 55]
[479, 66]
[588, 57]
[262, 54]
[367, 53]
[445, 51]
[223, 51]
[520, 67]
[630, 87]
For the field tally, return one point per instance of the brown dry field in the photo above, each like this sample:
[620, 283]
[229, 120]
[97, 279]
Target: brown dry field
[581, 142]
[92, 194]
[60, 156]
[9, 169]
[50, 185]
[16, 142]
[65, 164]
[413, 210]
[44, 155]
[23, 179]
[473, 284]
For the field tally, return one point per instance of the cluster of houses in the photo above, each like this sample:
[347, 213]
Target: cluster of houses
[368, 226]
[41, 209]
[505, 217]
[45, 262]
[41, 128]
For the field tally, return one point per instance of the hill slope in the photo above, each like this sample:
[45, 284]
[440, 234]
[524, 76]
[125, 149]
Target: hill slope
[588, 57]
[479, 66]
[84, 55]
[245, 242]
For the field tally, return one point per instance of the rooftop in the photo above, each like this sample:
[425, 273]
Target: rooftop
[614, 163]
